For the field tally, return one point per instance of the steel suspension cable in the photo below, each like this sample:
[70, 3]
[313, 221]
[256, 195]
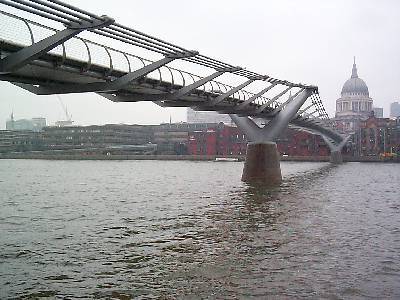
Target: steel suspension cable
[65, 13]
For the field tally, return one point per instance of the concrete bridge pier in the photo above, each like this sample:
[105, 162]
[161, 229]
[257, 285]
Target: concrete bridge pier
[262, 163]
[336, 157]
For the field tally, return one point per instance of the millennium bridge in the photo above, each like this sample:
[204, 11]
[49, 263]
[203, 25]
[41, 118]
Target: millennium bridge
[50, 47]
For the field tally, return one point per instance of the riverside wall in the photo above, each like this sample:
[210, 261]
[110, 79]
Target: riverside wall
[68, 156]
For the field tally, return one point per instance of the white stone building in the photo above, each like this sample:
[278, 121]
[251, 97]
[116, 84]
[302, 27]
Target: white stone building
[355, 104]
[194, 116]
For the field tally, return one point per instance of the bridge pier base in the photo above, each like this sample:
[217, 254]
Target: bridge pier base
[336, 157]
[262, 164]
[262, 157]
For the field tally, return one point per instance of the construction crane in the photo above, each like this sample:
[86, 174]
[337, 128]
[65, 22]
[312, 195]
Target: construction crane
[68, 118]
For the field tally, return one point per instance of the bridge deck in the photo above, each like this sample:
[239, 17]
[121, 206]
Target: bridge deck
[51, 72]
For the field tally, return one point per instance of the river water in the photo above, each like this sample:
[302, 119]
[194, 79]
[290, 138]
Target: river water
[167, 230]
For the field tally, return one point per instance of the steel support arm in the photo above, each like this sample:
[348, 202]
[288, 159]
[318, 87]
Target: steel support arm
[265, 105]
[22, 57]
[248, 127]
[254, 97]
[310, 114]
[279, 108]
[335, 147]
[275, 127]
[305, 109]
[229, 93]
[187, 89]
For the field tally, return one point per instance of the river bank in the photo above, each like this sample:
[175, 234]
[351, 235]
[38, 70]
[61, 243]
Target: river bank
[80, 156]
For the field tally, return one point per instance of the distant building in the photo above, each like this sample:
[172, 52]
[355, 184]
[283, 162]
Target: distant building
[378, 112]
[299, 143]
[354, 105]
[177, 139]
[395, 109]
[172, 138]
[64, 123]
[194, 116]
[217, 139]
[376, 136]
[199, 139]
[38, 123]
[95, 136]
[34, 124]
[20, 141]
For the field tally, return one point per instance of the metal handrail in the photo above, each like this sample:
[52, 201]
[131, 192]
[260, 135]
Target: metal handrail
[64, 13]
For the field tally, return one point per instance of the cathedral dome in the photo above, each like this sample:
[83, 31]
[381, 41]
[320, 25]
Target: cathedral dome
[355, 85]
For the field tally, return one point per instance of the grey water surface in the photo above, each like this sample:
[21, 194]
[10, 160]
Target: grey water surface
[167, 230]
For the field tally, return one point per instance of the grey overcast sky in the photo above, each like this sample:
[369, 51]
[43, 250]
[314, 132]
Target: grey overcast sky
[310, 41]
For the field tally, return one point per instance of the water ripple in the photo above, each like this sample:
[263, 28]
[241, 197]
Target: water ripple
[87, 229]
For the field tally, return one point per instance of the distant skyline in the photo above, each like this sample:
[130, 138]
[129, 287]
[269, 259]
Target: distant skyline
[313, 43]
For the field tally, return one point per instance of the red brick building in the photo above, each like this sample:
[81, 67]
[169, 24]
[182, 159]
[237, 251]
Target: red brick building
[299, 143]
[202, 142]
[217, 139]
[227, 140]
[377, 136]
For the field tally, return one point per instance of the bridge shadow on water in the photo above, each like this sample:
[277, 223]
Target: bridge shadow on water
[265, 204]
[250, 243]
[261, 192]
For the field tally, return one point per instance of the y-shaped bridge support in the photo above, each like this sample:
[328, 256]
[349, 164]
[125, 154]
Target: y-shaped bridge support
[262, 157]
[336, 150]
